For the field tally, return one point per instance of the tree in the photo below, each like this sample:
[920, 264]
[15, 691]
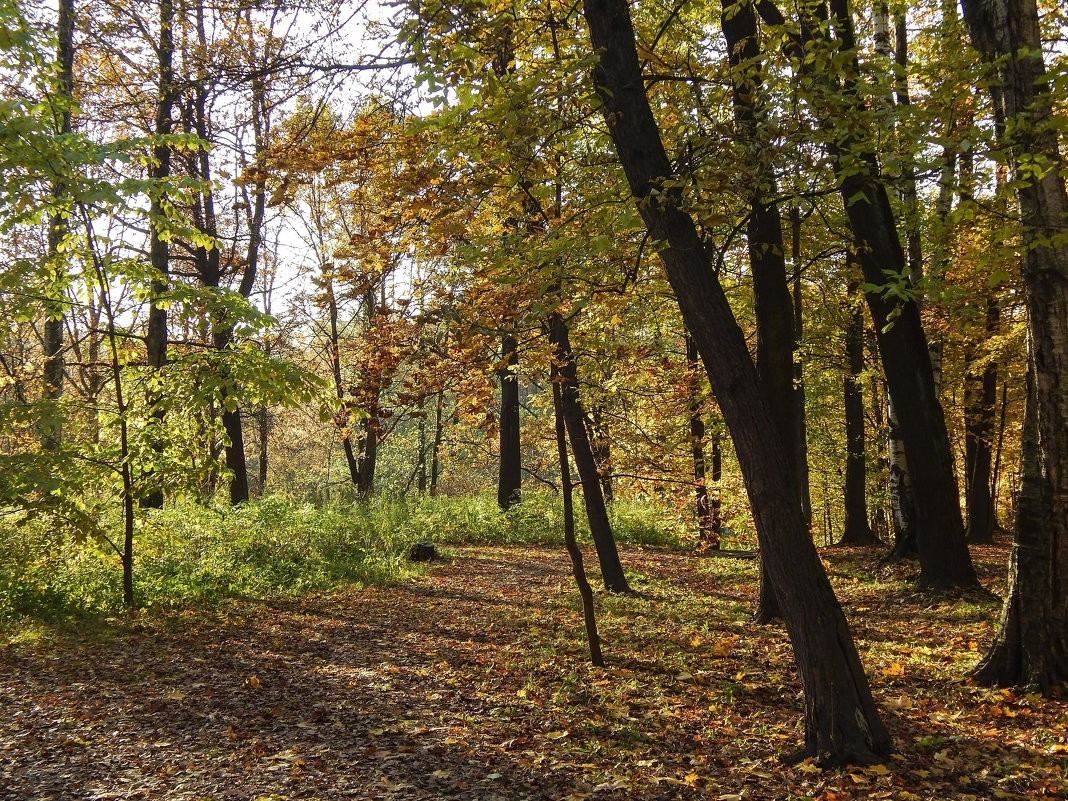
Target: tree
[841, 721]
[1031, 646]
[772, 302]
[510, 476]
[857, 528]
[944, 558]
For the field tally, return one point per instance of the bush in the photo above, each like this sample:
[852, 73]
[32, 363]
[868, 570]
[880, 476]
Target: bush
[191, 554]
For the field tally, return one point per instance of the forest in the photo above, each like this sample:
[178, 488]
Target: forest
[530, 399]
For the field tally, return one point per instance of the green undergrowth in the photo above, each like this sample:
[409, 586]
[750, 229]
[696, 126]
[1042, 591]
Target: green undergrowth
[191, 554]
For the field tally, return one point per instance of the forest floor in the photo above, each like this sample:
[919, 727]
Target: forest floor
[471, 682]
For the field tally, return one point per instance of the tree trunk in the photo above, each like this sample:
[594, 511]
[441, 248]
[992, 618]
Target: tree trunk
[510, 476]
[601, 446]
[596, 511]
[773, 305]
[980, 397]
[944, 559]
[263, 425]
[54, 367]
[435, 450]
[707, 526]
[158, 248]
[1031, 646]
[799, 369]
[841, 721]
[567, 490]
[857, 528]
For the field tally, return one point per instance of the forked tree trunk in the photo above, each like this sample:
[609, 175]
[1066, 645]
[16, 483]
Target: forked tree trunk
[841, 722]
[1031, 647]
[596, 512]
[773, 305]
[510, 475]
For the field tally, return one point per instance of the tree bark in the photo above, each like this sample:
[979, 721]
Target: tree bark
[435, 449]
[707, 525]
[596, 511]
[944, 559]
[841, 722]
[158, 248]
[857, 528]
[980, 397]
[567, 490]
[773, 305]
[1031, 646]
[510, 476]
[54, 326]
[799, 369]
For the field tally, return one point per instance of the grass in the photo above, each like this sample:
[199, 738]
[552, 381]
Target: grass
[190, 554]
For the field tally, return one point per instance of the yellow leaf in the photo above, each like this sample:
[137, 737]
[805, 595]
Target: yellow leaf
[723, 647]
[253, 682]
[894, 669]
[877, 770]
[691, 778]
[808, 766]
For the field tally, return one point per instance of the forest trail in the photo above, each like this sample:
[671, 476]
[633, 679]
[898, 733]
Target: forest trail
[469, 681]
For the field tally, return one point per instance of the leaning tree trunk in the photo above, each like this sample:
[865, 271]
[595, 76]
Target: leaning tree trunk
[1031, 646]
[944, 559]
[596, 511]
[841, 721]
[510, 476]
[857, 528]
[567, 490]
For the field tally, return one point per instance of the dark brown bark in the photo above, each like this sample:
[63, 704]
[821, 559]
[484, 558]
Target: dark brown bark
[944, 559]
[1031, 646]
[158, 248]
[857, 528]
[841, 721]
[801, 426]
[263, 426]
[980, 398]
[773, 305]
[510, 476]
[589, 618]
[596, 511]
[602, 450]
[996, 478]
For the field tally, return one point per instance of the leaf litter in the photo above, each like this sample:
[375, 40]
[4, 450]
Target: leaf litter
[470, 681]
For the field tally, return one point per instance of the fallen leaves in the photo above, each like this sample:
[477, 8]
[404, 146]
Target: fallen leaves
[471, 682]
